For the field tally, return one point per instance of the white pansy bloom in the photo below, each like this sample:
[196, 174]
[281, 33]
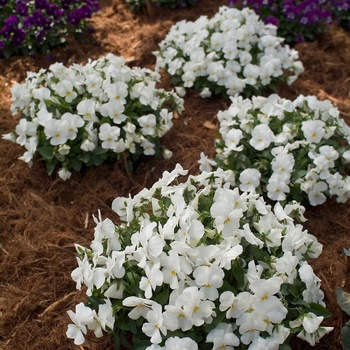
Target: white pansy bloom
[65, 89]
[249, 180]
[262, 136]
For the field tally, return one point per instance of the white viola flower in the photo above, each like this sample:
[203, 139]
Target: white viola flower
[117, 91]
[154, 327]
[262, 136]
[213, 70]
[87, 109]
[235, 85]
[233, 66]
[245, 58]
[265, 74]
[11, 136]
[346, 156]
[246, 327]
[205, 93]
[226, 217]
[147, 123]
[109, 135]
[251, 72]
[261, 343]
[93, 84]
[176, 343]
[330, 154]
[287, 267]
[223, 337]
[209, 278]
[103, 319]
[277, 187]
[57, 131]
[235, 305]
[188, 78]
[65, 89]
[217, 41]
[63, 150]
[316, 195]
[43, 116]
[141, 307]
[74, 121]
[175, 317]
[114, 109]
[206, 164]
[31, 146]
[264, 291]
[232, 139]
[249, 180]
[154, 277]
[181, 91]
[82, 317]
[313, 130]
[315, 337]
[175, 268]
[148, 97]
[230, 51]
[191, 301]
[23, 129]
[148, 147]
[322, 166]
[42, 94]
[283, 165]
[167, 154]
[312, 293]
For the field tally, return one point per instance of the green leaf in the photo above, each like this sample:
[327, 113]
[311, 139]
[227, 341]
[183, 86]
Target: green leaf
[76, 164]
[163, 297]
[141, 345]
[319, 310]
[46, 152]
[132, 326]
[345, 336]
[238, 273]
[50, 166]
[343, 299]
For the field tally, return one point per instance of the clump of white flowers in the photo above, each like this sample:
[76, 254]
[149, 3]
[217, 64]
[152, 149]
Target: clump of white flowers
[84, 115]
[199, 265]
[232, 53]
[286, 150]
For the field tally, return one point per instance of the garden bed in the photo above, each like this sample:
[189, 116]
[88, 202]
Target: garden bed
[42, 217]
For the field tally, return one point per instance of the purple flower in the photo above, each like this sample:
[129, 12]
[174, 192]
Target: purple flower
[11, 21]
[40, 4]
[3, 2]
[272, 20]
[22, 9]
[18, 36]
[28, 22]
[6, 32]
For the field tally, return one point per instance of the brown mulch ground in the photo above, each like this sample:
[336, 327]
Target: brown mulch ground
[42, 217]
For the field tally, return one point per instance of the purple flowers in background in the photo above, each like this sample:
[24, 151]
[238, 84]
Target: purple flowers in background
[297, 20]
[341, 12]
[29, 26]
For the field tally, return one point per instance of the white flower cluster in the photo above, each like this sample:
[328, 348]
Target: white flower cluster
[286, 149]
[84, 114]
[200, 257]
[232, 53]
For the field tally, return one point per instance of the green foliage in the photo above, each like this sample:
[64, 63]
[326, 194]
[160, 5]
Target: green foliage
[343, 299]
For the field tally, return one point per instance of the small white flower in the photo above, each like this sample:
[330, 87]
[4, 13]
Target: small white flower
[262, 136]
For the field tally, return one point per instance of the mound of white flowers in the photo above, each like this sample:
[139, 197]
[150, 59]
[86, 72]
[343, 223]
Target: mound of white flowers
[287, 150]
[84, 115]
[232, 53]
[199, 265]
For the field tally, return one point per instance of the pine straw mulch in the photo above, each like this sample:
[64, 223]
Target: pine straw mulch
[42, 217]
